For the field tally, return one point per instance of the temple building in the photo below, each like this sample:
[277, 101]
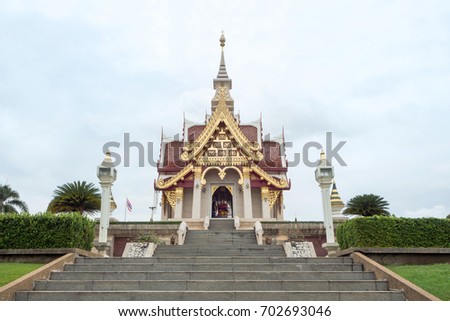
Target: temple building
[222, 168]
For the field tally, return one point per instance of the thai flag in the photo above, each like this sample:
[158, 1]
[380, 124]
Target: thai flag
[129, 206]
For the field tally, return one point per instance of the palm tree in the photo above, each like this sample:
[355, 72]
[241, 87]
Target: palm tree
[78, 196]
[367, 205]
[10, 200]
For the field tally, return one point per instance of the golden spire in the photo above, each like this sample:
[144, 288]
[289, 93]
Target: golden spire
[222, 80]
[335, 198]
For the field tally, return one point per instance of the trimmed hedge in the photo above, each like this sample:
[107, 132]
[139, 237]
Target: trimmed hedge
[46, 230]
[382, 231]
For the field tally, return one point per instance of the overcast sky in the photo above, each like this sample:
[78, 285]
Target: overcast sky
[75, 75]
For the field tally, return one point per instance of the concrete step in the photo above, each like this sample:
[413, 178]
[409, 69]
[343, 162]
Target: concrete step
[210, 296]
[221, 251]
[213, 275]
[204, 250]
[221, 224]
[211, 243]
[217, 264]
[214, 259]
[222, 232]
[218, 247]
[177, 267]
[216, 285]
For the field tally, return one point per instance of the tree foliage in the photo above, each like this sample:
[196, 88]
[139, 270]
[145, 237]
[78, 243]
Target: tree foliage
[367, 205]
[78, 196]
[10, 201]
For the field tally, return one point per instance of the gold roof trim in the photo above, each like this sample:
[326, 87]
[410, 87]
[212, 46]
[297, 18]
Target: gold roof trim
[172, 181]
[278, 183]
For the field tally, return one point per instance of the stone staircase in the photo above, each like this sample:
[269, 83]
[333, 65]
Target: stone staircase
[216, 264]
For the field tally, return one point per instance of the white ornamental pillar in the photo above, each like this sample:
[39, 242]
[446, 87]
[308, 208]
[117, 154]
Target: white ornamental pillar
[265, 203]
[247, 190]
[326, 207]
[178, 203]
[197, 193]
[324, 176]
[107, 175]
[105, 212]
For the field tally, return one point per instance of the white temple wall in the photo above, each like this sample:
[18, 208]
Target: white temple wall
[256, 203]
[187, 202]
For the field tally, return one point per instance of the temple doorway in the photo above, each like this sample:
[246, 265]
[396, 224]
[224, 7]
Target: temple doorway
[222, 202]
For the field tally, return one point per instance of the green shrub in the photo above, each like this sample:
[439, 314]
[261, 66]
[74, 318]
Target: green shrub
[46, 230]
[380, 231]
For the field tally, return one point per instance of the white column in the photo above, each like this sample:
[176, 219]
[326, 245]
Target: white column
[197, 193]
[178, 203]
[105, 212]
[327, 220]
[265, 202]
[247, 189]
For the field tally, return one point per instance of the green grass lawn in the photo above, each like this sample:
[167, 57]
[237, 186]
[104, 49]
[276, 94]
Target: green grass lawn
[432, 278]
[11, 271]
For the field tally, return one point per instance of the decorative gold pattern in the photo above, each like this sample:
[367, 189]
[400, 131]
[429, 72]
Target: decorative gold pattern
[273, 196]
[246, 172]
[172, 181]
[170, 196]
[198, 172]
[265, 193]
[278, 183]
[222, 114]
[215, 187]
[222, 173]
[179, 194]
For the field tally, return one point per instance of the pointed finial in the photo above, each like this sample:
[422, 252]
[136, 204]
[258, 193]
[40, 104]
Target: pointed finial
[107, 161]
[322, 155]
[222, 40]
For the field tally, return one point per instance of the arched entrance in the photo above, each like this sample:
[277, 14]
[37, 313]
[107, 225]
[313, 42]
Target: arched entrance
[222, 202]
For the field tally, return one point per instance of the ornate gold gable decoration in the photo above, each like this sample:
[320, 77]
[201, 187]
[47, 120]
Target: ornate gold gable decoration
[273, 196]
[223, 139]
[170, 196]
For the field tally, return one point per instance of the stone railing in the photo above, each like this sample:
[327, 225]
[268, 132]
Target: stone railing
[182, 231]
[206, 222]
[237, 222]
[259, 232]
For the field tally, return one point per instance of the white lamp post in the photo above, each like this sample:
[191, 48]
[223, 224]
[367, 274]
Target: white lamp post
[107, 174]
[324, 176]
[153, 208]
